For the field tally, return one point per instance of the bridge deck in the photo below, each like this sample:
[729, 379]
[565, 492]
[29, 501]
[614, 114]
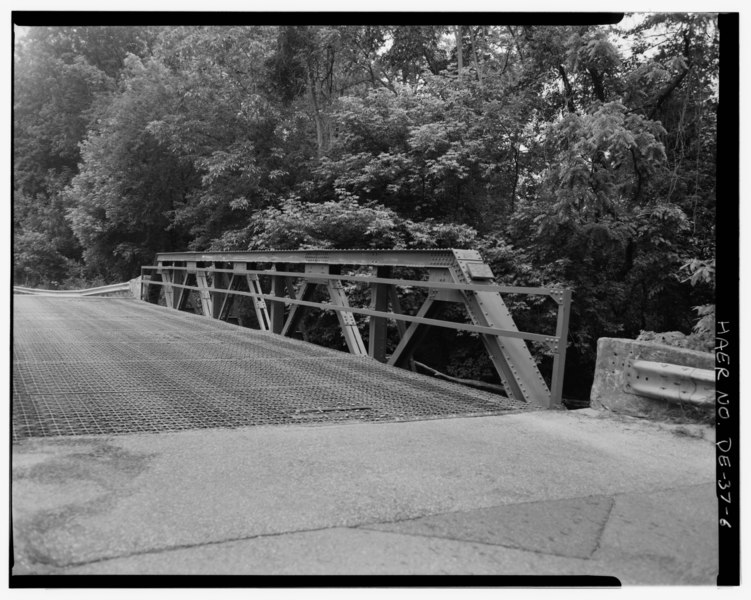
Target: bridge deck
[107, 366]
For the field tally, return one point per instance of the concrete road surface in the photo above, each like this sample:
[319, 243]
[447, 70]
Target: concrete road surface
[542, 493]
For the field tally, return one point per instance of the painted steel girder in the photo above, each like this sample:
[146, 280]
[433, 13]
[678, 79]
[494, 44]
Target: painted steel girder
[219, 299]
[207, 303]
[347, 321]
[512, 359]
[296, 311]
[276, 316]
[169, 294]
[402, 355]
[377, 328]
[259, 304]
[375, 258]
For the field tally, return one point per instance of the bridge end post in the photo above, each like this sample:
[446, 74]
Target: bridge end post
[510, 356]
[276, 316]
[563, 298]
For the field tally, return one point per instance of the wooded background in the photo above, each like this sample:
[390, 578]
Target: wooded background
[582, 156]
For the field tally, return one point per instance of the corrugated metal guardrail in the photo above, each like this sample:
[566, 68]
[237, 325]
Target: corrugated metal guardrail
[127, 288]
[672, 383]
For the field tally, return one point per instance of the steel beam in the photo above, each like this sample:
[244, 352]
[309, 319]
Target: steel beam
[396, 306]
[522, 335]
[401, 327]
[207, 305]
[346, 319]
[503, 289]
[259, 304]
[228, 300]
[559, 358]
[376, 258]
[379, 300]
[220, 281]
[295, 312]
[510, 356]
[414, 334]
[277, 307]
[181, 293]
[169, 293]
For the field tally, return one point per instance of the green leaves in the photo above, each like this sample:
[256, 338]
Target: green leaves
[700, 271]
[602, 164]
[344, 224]
[62, 78]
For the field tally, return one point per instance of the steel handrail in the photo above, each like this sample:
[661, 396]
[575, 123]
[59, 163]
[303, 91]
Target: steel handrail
[538, 337]
[472, 287]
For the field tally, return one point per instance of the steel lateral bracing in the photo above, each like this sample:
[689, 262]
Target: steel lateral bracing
[291, 278]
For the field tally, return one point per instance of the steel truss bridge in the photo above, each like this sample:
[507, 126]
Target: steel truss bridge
[281, 284]
[101, 362]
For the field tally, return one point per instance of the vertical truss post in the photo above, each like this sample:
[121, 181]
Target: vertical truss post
[277, 306]
[218, 281]
[144, 285]
[563, 298]
[180, 294]
[379, 300]
[169, 294]
[262, 314]
[228, 299]
[207, 305]
[346, 319]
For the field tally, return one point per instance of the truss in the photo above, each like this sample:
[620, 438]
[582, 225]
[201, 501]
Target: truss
[282, 285]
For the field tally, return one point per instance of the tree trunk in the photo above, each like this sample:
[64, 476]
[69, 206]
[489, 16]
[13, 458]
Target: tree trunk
[597, 84]
[473, 36]
[459, 55]
[516, 42]
[316, 112]
[516, 177]
[569, 93]
[665, 94]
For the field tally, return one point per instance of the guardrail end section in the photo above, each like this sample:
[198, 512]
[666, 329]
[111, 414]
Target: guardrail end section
[651, 380]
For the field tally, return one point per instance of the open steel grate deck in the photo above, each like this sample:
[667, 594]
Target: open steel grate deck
[86, 366]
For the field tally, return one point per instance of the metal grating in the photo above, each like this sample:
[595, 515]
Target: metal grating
[86, 366]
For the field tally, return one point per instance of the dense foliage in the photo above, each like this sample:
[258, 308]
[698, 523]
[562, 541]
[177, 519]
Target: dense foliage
[581, 156]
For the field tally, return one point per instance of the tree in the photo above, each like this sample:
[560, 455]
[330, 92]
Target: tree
[59, 75]
[340, 224]
[444, 151]
[130, 183]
